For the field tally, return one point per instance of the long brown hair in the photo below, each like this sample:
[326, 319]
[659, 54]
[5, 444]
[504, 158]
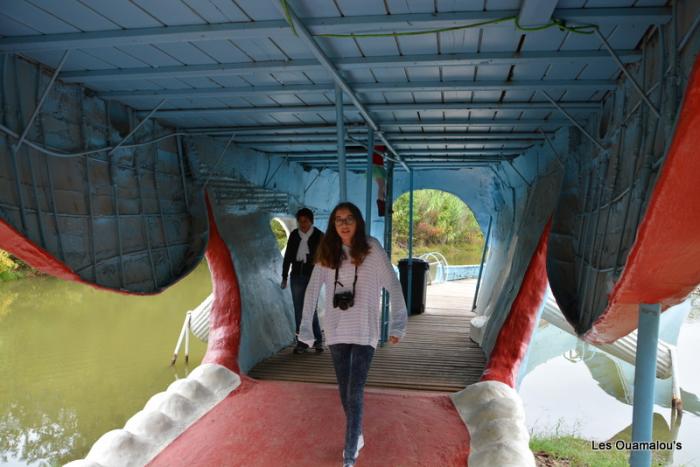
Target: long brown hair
[330, 251]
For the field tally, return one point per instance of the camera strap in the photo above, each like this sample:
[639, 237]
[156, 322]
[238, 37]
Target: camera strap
[335, 284]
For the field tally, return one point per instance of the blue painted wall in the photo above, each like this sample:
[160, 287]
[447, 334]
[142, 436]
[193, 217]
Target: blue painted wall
[520, 200]
[243, 216]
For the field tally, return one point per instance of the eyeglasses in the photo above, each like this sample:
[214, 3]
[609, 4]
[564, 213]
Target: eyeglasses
[344, 220]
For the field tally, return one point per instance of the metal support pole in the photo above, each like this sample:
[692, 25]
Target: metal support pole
[560, 160]
[164, 229]
[187, 337]
[340, 126]
[115, 199]
[674, 54]
[689, 34]
[388, 224]
[181, 163]
[136, 128]
[145, 218]
[368, 198]
[483, 259]
[409, 282]
[644, 379]
[306, 37]
[28, 126]
[32, 173]
[52, 193]
[180, 338]
[5, 118]
[624, 70]
[88, 194]
[676, 400]
[145, 223]
[572, 119]
[520, 173]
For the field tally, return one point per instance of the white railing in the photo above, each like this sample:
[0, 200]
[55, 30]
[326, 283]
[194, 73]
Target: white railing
[437, 266]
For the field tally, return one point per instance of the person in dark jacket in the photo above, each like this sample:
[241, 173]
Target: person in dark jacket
[300, 254]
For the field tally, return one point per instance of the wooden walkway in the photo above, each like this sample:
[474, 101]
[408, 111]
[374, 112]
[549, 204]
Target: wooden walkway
[435, 355]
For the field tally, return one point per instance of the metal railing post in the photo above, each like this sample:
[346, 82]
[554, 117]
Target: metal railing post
[368, 187]
[409, 281]
[388, 224]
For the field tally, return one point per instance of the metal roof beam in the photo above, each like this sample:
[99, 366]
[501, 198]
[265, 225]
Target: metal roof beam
[281, 129]
[353, 63]
[275, 145]
[360, 154]
[536, 12]
[337, 25]
[424, 165]
[340, 83]
[300, 148]
[400, 138]
[456, 136]
[472, 122]
[390, 125]
[421, 107]
[427, 86]
[359, 165]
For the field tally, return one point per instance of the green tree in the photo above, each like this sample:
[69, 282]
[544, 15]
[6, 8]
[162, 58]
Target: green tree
[441, 222]
[12, 268]
[279, 233]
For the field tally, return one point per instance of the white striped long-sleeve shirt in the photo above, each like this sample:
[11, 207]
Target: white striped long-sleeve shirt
[361, 323]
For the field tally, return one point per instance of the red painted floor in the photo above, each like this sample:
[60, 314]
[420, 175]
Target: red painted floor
[274, 423]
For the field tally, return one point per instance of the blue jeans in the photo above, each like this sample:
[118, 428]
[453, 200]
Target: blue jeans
[351, 364]
[298, 284]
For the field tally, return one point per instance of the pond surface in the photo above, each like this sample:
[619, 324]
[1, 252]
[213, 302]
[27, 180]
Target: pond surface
[573, 388]
[76, 362]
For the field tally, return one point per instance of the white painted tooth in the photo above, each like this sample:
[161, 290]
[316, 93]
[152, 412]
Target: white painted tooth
[218, 379]
[119, 448]
[499, 408]
[175, 406]
[193, 390]
[152, 425]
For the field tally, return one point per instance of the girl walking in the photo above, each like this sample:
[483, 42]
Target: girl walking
[354, 270]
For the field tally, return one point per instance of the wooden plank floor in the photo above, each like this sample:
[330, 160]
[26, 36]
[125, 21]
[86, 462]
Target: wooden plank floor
[435, 355]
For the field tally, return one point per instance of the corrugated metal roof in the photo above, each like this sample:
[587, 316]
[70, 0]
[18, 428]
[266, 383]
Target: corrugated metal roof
[231, 64]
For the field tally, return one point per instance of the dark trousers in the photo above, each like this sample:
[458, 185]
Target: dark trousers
[298, 284]
[352, 364]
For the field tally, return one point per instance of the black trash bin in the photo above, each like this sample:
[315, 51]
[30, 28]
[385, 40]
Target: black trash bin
[420, 283]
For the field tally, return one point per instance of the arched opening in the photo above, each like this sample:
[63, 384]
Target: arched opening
[281, 232]
[446, 236]
[443, 225]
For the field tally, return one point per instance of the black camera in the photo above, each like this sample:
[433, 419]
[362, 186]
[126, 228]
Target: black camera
[343, 300]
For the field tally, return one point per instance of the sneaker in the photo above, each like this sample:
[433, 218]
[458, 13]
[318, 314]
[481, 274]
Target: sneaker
[360, 445]
[318, 347]
[300, 348]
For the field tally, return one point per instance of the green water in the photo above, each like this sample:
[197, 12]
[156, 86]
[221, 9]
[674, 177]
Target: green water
[574, 389]
[76, 362]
